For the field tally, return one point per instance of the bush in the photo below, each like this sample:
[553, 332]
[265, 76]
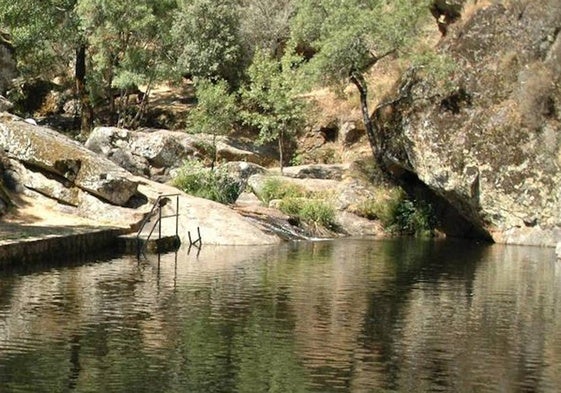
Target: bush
[275, 188]
[203, 182]
[382, 206]
[314, 212]
[414, 218]
[399, 214]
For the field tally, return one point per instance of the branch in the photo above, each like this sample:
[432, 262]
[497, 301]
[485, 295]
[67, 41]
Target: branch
[375, 58]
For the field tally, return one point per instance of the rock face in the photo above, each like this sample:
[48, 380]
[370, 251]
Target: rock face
[48, 152]
[54, 181]
[156, 153]
[491, 145]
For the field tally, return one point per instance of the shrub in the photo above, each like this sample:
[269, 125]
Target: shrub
[275, 188]
[414, 218]
[399, 214]
[203, 182]
[382, 206]
[314, 212]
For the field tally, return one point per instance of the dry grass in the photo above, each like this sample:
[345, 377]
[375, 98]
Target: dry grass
[472, 6]
[328, 106]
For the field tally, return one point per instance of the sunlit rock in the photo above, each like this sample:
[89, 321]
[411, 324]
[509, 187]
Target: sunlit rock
[486, 140]
[45, 150]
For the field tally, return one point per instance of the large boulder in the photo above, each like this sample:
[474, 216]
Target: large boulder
[317, 171]
[157, 153]
[54, 155]
[490, 146]
[53, 182]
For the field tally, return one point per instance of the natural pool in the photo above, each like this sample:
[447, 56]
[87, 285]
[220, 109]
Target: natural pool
[335, 316]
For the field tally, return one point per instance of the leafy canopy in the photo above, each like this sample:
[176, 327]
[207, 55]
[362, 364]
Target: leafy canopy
[351, 35]
[271, 99]
[206, 36]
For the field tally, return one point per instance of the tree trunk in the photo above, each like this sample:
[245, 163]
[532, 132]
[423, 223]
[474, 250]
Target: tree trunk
[143, 103]
[281, 153]
[358, 80]
[86, 117]
[214, 152]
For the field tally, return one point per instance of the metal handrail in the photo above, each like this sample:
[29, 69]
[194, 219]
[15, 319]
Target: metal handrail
[158, 204]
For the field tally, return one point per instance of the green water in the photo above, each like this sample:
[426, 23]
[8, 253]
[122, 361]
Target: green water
[337, 316]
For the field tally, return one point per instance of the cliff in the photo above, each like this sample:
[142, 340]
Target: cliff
[489, 148]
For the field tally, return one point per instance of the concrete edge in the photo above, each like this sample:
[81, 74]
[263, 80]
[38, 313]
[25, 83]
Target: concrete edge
[55, 247]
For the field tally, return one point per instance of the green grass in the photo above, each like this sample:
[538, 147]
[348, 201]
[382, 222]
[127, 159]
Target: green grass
[315, 212]
[276, 188]
[216, 185]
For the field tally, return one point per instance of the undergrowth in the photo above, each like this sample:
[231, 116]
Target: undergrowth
[214, 184]
[398, 213]
[313, 209]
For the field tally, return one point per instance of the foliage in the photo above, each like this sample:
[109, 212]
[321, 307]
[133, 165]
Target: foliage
[398, 213]
[119, 44]
[265, 25]
[275, 188]
[216, 185]
[128, 45]
[206, 39]
[383, 205]
[414, 218]
[350, 35]
[44, 34]
[316, 212]
[216, 111]
[270, 100]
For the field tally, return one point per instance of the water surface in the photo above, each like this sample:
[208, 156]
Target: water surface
[336, 316]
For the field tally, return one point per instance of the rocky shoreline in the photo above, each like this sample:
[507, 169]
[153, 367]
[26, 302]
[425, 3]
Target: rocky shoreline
[52, 181]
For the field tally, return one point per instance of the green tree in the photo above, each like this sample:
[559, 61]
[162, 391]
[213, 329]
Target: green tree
[44, 34]
[352, 36]
[206, 36]
[129, 47]
[216, 111]
[47, 37]
[265, 25]
[112, 43]
[271, 99]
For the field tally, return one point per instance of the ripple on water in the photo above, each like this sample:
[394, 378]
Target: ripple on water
[349, 316]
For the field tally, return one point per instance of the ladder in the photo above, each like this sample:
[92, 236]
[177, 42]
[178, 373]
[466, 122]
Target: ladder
[156, 211]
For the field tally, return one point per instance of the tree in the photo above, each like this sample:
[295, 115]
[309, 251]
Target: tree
[129, 47]
[111, 43]
[265, 25]
[47, 37]
[44, 34]
[271, 99]
[206, 36]
[216, 111]
[353, 36]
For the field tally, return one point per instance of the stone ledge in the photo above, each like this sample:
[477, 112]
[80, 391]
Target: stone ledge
[55, 246]
[129, 244]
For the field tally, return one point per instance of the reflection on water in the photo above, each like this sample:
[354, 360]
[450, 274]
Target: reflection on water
[341, 316]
